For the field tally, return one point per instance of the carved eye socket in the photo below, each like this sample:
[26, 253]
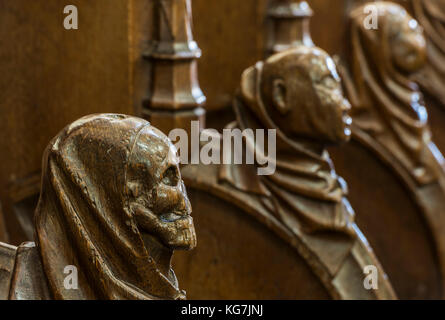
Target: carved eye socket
[171, 176]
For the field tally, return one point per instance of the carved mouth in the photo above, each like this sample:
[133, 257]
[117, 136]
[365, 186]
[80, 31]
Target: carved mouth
[173, 216]
[175, 231]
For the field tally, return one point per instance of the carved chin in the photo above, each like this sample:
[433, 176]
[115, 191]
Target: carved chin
[182, 235]
[341, 134]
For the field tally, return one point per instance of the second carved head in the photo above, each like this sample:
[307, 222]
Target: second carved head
[302, 91]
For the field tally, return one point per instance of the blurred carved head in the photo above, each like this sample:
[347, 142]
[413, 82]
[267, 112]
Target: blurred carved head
[303, 95]
[299, 94]
[111, 188]
[398, 39]
[388, 103]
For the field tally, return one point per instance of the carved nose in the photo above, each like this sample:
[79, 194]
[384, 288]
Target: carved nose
[172, 199]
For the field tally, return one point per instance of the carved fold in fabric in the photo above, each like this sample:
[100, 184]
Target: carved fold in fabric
[431, 15]
[81, 222]
[389, 106]
[304, 191]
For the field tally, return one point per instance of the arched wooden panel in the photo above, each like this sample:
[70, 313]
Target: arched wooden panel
[392, 222]
[239, 258]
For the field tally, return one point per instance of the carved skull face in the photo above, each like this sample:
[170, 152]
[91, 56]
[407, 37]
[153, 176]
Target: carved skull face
[158, 198]
[408, 45]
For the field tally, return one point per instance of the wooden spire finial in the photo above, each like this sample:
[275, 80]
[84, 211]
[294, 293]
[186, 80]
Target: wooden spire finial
[289, 25]
[175, 96]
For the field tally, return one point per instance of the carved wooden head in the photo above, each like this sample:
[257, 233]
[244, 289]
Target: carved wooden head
[388, 104]
[298, 94]
[112, 198]
[302, 93]
[398, 39]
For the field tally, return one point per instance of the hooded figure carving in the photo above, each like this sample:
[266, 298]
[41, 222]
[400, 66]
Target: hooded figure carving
[113, 205]
[298, 93]
[431, 15]
[387, 105]
[304, 191]
[389, 116]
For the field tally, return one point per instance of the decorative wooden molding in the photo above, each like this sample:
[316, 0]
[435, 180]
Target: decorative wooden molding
[288, 25]
[7, 256]
[175, 95]
[19, 205]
